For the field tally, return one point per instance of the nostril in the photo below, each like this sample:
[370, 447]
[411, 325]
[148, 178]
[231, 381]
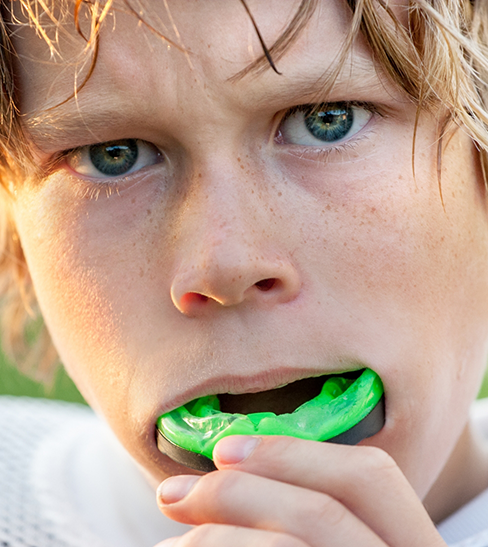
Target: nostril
[266, 284]
[192, 298]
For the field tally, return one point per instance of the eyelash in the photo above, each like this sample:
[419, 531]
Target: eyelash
[111, 185]
[322, 153]
[86, 185]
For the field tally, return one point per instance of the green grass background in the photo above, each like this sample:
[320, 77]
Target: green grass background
[14, 383]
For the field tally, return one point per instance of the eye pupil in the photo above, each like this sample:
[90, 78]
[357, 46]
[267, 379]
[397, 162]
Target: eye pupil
[332, 124]
[114, 158]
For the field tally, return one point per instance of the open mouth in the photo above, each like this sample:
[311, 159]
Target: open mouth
[282, 400]
[344, 408]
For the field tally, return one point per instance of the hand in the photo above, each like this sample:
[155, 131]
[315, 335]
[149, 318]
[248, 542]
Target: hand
[286, 492]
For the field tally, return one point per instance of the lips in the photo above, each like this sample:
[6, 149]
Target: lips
[348, 408]
[282, 400]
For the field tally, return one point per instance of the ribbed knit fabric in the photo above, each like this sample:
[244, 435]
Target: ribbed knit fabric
[468, 527]
[66, 482]
[28, 509]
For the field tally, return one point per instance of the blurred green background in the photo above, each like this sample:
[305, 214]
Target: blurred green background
[14, 383]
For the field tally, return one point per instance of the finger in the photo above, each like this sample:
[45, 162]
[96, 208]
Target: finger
[250, 501]
[365, 479]
[219, 535]
[168, 542]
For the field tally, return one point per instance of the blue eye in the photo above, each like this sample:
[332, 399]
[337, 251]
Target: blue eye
[329, 123]
[114, 158]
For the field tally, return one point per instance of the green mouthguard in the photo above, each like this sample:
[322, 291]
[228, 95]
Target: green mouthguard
[342, 403]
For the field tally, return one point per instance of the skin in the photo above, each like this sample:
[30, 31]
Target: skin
[153, 290]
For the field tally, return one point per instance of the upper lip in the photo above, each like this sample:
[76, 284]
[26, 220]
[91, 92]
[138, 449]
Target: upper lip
[241, 384]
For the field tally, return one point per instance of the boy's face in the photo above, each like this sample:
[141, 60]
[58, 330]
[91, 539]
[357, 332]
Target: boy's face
[246, 250]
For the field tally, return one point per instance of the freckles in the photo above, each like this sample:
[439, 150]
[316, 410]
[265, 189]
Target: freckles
[79, 266]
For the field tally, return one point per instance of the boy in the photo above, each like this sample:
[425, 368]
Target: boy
[194, 224]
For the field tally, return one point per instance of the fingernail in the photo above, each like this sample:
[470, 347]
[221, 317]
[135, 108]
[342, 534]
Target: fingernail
[175, 488]
[235, 449]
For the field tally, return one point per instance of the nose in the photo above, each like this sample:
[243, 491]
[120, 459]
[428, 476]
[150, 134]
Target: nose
[225, 260]
[224, 280]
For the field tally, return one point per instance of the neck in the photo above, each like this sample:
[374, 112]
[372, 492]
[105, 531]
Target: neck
[464, 476]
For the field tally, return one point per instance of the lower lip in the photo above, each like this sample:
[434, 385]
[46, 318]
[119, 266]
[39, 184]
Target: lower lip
[354, 412]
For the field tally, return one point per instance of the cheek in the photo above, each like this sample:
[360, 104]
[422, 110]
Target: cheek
[90, 263]
[93, 265]
[404, 270]
[397, 242]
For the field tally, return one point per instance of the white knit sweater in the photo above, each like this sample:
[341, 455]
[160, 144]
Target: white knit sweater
[66, 482]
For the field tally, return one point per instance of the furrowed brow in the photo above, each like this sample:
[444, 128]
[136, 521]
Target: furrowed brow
[71, 125]
[352, 82]
[58, 127]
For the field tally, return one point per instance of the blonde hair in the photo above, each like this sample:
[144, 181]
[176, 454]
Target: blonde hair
[439, 59]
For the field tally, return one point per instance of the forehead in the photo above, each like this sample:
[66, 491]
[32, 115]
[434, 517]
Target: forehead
[217, 35]
[189, 24]
[179, 52]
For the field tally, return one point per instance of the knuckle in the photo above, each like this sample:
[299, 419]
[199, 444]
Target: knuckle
[201, 535]
[220, 482]
[284, 540]
[210, 535]
[321, 508]
[375, 462]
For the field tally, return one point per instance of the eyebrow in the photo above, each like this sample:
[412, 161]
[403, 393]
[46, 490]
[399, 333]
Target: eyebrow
[361, 78]
[56, 125]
